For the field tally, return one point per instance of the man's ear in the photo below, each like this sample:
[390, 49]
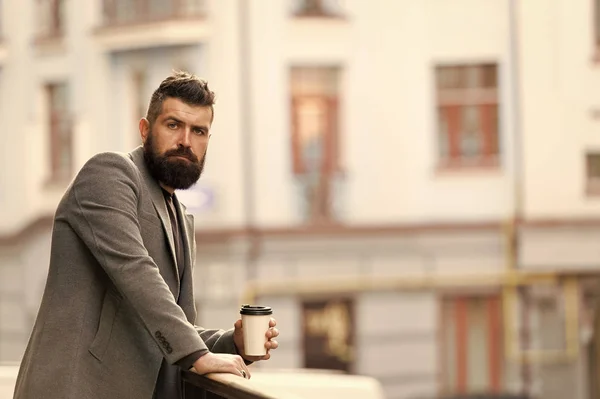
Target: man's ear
[144, 127]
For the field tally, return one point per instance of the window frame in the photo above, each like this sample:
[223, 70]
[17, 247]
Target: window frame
[56, 117]
[310, 83]
[450, 103]
[494, 341]
[592, 183]
[54, 27]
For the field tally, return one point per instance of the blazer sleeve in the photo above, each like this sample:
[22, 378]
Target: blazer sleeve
[106, 194]
[218, 341]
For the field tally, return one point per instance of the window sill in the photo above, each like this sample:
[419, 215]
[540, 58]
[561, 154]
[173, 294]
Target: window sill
[315, 15]
[468, 165]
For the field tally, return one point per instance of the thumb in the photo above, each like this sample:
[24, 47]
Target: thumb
[238, 324]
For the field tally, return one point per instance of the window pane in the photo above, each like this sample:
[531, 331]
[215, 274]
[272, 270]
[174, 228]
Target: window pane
[477, 349]
[60, 15]
[450, 77]
[59, 126]
[312, 127]
[593, 166]
[471, 143]
[191, 7]
[443, 134]
[140, 100]
[314, 81]
[125, 10]
[160, 9]
[449, 345]
[314, 138]
[472, 77]
[494, 144]
[489, 76]
[597, 11]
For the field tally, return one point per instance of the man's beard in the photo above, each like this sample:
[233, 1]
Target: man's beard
[171, 171]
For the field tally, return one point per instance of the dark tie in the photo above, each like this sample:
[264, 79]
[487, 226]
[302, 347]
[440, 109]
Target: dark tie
[176, 233]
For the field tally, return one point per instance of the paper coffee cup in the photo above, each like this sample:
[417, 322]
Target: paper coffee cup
[255, 321]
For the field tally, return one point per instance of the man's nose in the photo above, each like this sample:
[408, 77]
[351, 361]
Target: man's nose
[185, 137]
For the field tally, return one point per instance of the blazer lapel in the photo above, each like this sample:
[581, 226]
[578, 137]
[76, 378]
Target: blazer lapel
[158, 200]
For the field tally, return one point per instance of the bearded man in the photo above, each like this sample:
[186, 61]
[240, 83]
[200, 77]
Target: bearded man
[117, 315]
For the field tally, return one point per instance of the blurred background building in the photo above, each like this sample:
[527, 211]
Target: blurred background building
[413, 185]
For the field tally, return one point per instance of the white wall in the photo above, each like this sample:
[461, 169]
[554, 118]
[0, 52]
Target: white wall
[560, 86]
[388, 51]
[8, 377]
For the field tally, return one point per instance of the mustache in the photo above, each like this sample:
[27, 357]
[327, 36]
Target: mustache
[182, 152]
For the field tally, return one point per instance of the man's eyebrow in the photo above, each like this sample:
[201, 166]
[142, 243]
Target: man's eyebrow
[174, 119]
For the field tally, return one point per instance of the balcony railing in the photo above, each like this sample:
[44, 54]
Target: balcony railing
[127, 12]
[227, 386]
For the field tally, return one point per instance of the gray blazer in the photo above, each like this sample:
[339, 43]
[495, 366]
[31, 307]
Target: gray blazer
[109, 313]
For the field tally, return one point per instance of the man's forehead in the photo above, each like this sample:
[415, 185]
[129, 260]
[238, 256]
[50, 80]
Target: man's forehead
[175, 107]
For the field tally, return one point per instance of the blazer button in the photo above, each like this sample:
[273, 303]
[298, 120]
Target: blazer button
[157, 334]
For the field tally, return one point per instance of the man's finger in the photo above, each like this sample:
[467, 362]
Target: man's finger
[272, 344]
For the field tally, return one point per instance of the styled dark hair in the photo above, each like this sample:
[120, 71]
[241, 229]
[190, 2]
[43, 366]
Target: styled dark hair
[184, 86]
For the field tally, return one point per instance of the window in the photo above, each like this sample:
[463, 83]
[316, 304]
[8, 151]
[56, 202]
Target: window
[316, 8]
[471, 344]
[593, 173]
[60, 129]
[139, 11]
[467, 102]
[315, 138]
[51, 18]
[597, 23]
[140, 100]
[2, 33]
[329, 338]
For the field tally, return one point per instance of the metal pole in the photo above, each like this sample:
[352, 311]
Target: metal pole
[518, 191]
[245, 41]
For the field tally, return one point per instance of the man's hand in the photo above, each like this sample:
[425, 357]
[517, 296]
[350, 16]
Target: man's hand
[221, 363]
[238, 339]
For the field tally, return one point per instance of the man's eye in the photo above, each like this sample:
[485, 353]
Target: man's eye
[199, 132]
[172, 125]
